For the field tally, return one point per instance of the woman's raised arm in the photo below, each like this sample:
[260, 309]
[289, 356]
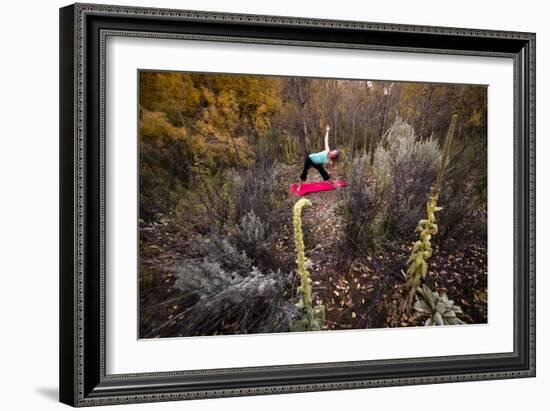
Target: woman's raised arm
[326, 139]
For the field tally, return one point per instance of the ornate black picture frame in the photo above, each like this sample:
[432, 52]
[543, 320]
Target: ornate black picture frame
[83, 30]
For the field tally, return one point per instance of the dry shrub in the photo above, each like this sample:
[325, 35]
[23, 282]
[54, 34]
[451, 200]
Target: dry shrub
[359, 211]
[166, 162]
[464, 195]
[404, 169]
[172, 160]
[386, 196]
[226, 293]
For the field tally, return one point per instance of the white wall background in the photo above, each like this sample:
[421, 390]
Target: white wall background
[29, 204]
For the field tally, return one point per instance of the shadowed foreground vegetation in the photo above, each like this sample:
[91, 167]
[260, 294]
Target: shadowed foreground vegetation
[404, 244]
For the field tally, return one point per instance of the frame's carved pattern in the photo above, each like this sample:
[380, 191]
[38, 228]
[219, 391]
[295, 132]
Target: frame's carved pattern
[80, 12]
[79, 204]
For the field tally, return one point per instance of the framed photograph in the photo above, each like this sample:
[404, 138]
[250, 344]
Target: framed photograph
[262, 204]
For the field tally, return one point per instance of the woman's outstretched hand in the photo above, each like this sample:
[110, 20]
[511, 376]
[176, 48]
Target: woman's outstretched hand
[328, 128]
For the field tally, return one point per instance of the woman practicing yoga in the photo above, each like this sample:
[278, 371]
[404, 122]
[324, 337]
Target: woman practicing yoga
[318, 160]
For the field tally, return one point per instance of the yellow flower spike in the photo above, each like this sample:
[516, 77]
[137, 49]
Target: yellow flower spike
[313, 316]
[418, 261]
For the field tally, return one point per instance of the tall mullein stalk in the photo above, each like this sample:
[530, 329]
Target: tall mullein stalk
[422, 248]
[445, 155]
[313, 315]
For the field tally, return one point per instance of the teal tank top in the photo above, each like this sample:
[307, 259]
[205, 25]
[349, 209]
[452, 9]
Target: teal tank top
[319, 158]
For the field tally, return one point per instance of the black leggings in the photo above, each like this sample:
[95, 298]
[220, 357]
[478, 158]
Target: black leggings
[308, 164]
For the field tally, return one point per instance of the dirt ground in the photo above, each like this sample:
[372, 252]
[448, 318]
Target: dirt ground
[364, 293]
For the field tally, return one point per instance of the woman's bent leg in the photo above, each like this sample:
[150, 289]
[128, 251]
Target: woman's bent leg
[322, 171]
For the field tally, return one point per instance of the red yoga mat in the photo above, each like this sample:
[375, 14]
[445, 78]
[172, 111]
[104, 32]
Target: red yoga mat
[307, 188]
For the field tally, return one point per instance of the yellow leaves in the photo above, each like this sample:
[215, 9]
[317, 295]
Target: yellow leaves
[155, 125]
[347, 301]
[480, 296]
[173, 94]
[475, 118]
[212, 104]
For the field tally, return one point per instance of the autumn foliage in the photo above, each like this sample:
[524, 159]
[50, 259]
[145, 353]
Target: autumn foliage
[219, 230]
